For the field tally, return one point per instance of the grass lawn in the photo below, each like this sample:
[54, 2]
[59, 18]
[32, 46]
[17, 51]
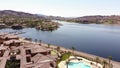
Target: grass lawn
[13, 64]
[65, 56]
[53, 52]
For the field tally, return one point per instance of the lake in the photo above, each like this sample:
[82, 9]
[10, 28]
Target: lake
[101, 40]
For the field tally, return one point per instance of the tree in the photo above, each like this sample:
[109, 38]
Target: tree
[48, 45]
[58, 48]
[40, 41]
[104, 63]
[97, 60]
[109, 59]
[29, 39]
[67, 62]
[36, 40]
[73, 49]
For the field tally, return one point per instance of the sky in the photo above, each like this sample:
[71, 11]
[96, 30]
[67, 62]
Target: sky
[64, 8]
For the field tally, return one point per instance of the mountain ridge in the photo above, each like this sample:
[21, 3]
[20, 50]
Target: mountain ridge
[98, 19]
[5, 13]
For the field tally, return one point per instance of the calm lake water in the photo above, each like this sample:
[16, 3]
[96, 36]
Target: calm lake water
[101, 40]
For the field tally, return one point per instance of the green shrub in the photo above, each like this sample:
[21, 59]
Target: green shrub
[65, 56]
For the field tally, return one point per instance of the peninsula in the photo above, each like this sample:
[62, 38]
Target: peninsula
[19, 20]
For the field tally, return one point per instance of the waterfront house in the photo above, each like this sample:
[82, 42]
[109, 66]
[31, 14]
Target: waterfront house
[29, 54]
[41, 61]
[35, 48]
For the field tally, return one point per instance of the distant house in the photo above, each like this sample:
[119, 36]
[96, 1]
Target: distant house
[2, 26]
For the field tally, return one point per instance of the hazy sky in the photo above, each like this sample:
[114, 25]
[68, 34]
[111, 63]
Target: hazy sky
[64, 8]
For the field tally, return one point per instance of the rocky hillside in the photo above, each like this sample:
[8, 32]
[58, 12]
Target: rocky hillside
[10, 18]
[97, 19]
[11, 13]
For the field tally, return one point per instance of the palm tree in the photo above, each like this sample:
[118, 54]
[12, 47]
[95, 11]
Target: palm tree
[48, 45]
[67, 62]
[58, 48]
[104, 63]
[29, 39]
[40, 41]
[109, 59]
[36, 40]
[97, 60]
[73, 49]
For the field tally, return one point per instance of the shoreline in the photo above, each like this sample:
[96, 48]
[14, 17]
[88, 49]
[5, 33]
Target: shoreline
[115, 64]
[96, 23]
